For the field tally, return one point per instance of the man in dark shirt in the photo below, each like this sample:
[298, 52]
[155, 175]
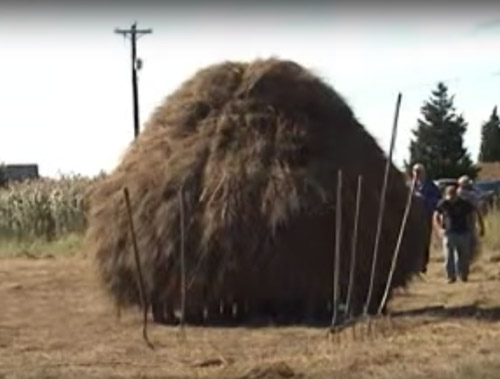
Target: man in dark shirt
[454, 216]
[430, 194]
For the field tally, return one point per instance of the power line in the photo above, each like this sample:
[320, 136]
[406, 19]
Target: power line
[134, 33]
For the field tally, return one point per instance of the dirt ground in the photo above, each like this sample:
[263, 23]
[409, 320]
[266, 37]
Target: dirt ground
[56, 323]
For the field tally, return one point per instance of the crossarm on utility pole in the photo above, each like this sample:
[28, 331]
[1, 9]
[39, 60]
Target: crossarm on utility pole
[131, 31]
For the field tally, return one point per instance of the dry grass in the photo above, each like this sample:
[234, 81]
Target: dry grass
[57, 323]
[489, 170]
[66, 245]
[491, 239]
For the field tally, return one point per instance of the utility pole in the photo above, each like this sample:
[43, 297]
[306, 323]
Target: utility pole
[136, 65]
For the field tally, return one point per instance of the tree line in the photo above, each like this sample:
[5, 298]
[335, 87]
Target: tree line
[438, 139]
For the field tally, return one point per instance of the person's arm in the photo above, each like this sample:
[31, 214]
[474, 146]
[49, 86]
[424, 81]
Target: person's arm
[438, 221]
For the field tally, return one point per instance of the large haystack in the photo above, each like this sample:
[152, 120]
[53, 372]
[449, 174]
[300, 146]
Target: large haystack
[256, 148]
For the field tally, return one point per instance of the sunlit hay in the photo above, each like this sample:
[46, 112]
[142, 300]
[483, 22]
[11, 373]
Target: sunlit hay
[256, 148]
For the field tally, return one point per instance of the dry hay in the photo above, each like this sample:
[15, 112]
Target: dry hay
[275, 370]
[255, 148]
[489, 170]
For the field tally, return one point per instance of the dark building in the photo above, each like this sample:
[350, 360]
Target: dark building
[18, 172]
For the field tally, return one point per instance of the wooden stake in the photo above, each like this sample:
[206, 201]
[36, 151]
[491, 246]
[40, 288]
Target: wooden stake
[354, 248]
[338, 230]
[183, 259]
[142, 295]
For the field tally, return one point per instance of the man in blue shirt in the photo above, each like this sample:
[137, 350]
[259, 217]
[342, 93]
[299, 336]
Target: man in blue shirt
[429, 192]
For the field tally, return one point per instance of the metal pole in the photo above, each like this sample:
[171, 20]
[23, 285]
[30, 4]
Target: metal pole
[382, 206]
[398, 246]
[338, 231]
[354, 248]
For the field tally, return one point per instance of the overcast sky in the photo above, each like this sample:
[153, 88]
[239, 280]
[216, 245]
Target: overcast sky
[65, 87]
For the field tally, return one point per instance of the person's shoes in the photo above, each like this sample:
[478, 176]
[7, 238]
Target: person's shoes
[452, 280]
[464, 278]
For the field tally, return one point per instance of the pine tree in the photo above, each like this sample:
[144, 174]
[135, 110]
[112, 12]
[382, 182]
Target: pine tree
[438, 138]
[2, 174]
[490, 139]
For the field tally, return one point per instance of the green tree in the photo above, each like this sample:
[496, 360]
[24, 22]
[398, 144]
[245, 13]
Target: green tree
[490, 139]
[438, 140]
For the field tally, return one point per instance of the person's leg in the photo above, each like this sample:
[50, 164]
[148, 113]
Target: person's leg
[464, 253]
[449, 256]
[428, 237]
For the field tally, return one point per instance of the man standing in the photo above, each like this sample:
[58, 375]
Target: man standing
[467, 192]
[429, 192]
[454, 218]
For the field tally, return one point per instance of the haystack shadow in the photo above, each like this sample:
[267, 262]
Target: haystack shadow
[472, 311]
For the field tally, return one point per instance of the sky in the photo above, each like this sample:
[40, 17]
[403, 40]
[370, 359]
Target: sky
[65, 85]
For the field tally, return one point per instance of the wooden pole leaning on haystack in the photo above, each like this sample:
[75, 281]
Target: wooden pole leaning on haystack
[382, 207]
[336, 268]
[183, 259]
[354, 244]
[142, 294]
[398, 246]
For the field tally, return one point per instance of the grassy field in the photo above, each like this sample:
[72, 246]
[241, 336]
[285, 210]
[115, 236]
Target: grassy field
[43, 217]
[56, 322]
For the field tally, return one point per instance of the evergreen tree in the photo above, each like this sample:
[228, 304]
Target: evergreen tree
[490, 139]
[2, 174]
[438, 139]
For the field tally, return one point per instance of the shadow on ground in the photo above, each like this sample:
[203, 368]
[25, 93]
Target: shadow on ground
[466, 311]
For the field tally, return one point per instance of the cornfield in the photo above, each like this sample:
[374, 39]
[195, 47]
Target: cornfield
[43, 208]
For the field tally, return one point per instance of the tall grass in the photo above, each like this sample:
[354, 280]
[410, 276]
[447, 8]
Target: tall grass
[43, 208]
[491, 240]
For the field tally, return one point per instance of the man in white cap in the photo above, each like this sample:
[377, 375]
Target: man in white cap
[429, 192]
[453, 218]
[467, 192]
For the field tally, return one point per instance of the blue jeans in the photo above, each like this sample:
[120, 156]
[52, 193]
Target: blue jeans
[457, 253]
